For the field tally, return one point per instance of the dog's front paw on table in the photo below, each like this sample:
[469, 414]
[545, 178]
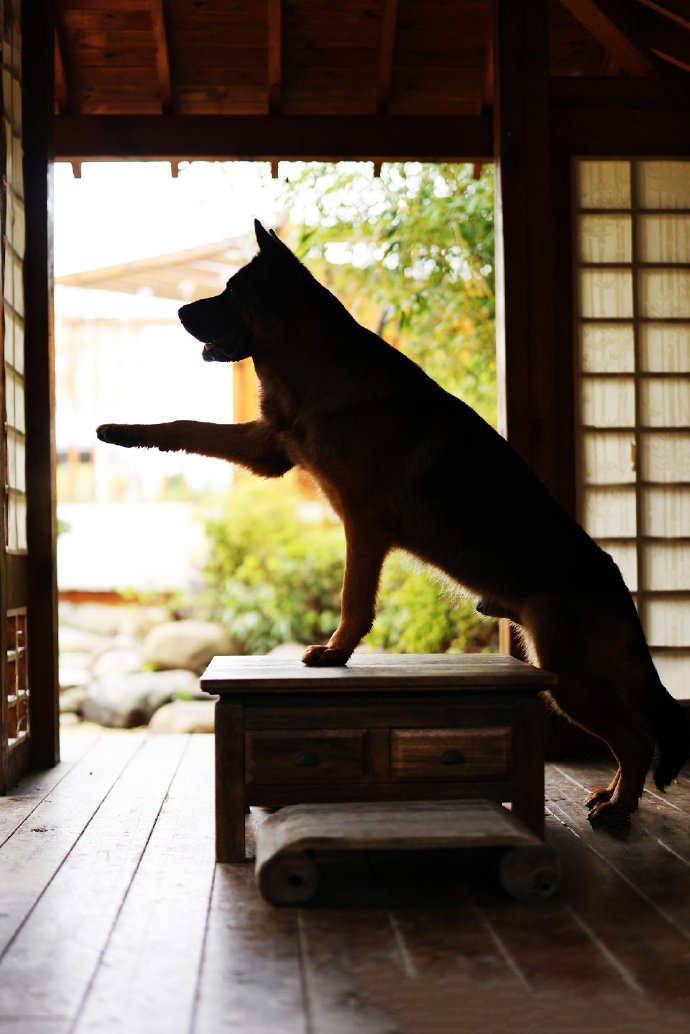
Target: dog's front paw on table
[324, 657]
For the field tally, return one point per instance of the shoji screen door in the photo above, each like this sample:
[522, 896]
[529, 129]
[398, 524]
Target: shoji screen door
[633, 333]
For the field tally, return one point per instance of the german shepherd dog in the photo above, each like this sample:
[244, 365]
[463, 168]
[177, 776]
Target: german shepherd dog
[408, 466]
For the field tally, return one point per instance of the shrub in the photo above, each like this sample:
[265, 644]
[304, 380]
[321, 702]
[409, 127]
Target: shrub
[274, 573]
[417, 613]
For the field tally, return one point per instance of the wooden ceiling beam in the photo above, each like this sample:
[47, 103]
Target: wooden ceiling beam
[633, 33]
[275, 55]
[274, 137]
[604, 23]
[666, 39]
[677, 10]
[160, 34]
[384, 76]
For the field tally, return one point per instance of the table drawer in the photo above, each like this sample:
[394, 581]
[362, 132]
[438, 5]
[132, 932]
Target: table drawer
[319, 756]
[448, 754]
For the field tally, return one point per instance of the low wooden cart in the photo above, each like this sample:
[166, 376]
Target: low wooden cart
[383, 728]
[288, 843]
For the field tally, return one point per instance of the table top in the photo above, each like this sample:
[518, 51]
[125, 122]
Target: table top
[371, 672]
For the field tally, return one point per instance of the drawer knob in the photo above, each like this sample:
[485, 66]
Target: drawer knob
[452, 757]
[305, 759]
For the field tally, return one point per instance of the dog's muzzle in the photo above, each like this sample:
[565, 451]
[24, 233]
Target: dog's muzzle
[207, 320]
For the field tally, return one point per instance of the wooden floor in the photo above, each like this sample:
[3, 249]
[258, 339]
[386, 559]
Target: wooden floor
[113, 918]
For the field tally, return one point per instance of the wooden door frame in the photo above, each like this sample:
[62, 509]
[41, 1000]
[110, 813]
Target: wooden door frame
[38, 584]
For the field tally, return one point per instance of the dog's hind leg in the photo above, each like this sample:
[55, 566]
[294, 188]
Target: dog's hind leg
[252, 445]
[366, 551]
[603, 793]
[595, 706]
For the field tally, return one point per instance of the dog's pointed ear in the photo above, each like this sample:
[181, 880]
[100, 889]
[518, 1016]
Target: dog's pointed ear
[263, 239]
[271, 246]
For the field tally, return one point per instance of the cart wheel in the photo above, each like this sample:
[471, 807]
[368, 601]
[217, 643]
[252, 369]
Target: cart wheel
[288, 878]
[529, 873]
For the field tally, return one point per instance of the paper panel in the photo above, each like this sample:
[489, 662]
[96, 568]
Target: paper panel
[606, 293]
[665, 511]
[608, 458]
[609, 513]
[665, 347]
[663, 184]
[603, 184]
[607, 403]
[665, 403]
[605, 238]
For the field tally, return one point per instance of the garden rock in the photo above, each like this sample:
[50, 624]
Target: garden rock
[120, 660]
[184, 716]
[70, 677]
[72, 700]
[186, 644]
[124, 701]
[74, 669]
[78, 640]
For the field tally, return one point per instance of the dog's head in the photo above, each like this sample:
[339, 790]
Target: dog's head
[249, 317]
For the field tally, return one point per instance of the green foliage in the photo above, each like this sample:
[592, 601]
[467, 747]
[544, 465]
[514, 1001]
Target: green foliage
[418, 243]
[417, 615]
[274, 574]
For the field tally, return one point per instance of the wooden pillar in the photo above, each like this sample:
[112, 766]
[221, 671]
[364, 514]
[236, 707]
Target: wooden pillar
[523, 224]
[38, 83]
[535, 387]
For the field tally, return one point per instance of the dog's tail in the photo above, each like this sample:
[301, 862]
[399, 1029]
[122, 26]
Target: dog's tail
[671, 727]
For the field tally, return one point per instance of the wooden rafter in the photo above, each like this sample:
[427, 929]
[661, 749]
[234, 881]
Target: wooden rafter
[676, 10]
[666, 39]
[385, 66]
[487, 97]
[275, 53]
[61, 94]
[162, 55]
[603, 21]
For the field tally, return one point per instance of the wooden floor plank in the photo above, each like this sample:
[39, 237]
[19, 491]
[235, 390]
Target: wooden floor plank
[656, 960]
[35, 852]
[452, 959]
[250, 947]
[150, 966]
[33, 1025]
[659, 876]
[30, 791]
[59, 947]
[352, 965]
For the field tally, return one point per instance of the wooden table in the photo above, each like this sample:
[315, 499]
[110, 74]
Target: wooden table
[385, 727]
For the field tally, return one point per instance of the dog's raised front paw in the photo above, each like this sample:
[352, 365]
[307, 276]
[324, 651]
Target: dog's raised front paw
[324, 657]
[126, 435]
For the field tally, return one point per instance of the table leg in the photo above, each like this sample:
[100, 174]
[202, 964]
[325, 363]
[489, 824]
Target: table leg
[528, 765]
[230, 806]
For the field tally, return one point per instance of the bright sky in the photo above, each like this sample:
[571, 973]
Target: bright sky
[121, 211]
